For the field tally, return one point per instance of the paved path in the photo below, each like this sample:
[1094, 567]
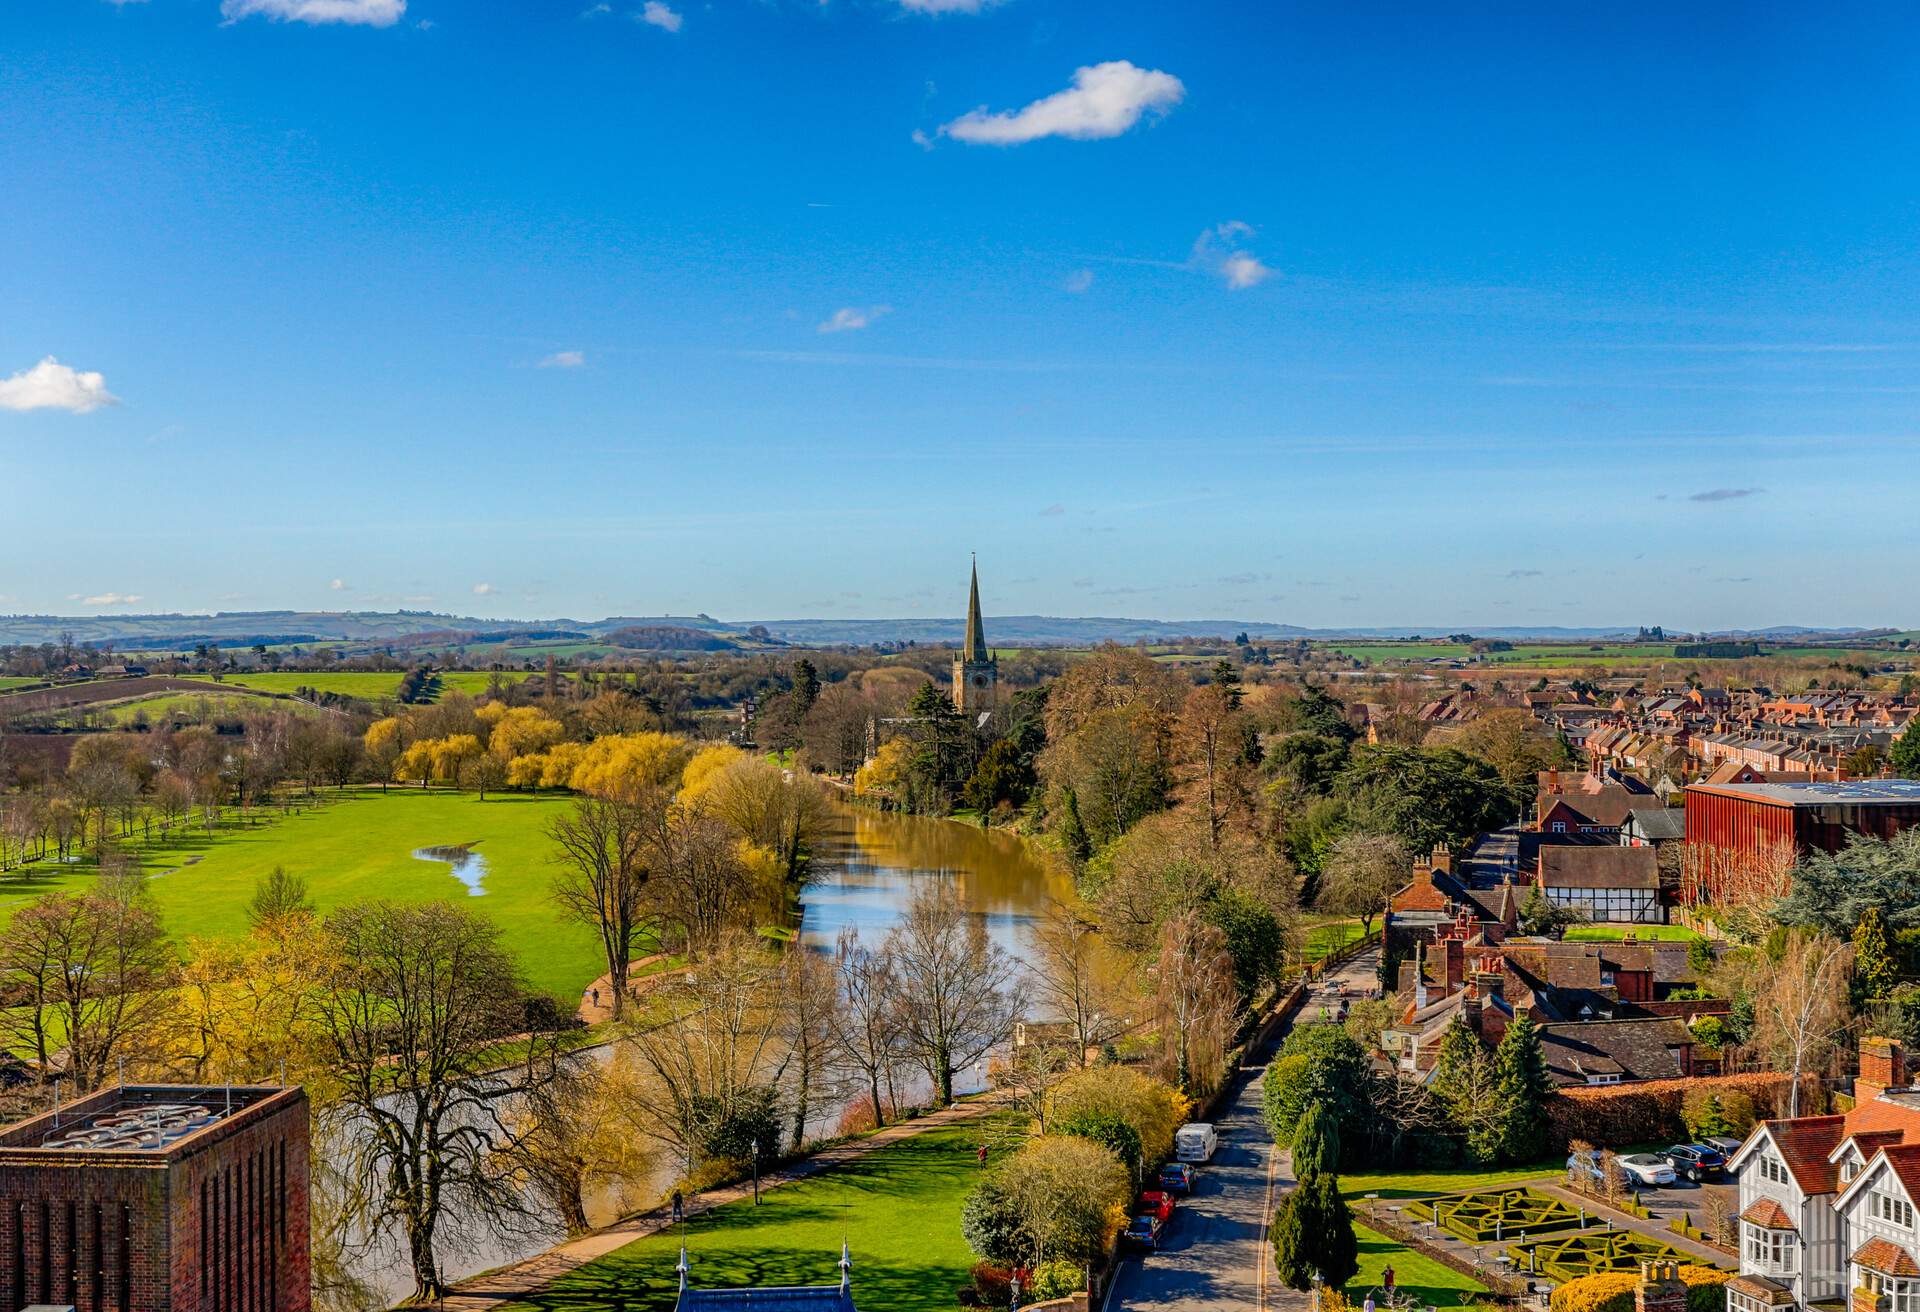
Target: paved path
[1215, 1254]
[485, 1292]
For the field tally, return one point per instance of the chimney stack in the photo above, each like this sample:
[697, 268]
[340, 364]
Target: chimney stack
[1883, 1065]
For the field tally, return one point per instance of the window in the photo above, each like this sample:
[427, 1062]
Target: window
[1772, 1168]
[1887, 1207]
[1850, 1168]
[1902, 1295]
[1559, 826]
[1776, 1251]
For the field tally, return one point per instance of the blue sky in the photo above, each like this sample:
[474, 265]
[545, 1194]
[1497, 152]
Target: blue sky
[1333, 313]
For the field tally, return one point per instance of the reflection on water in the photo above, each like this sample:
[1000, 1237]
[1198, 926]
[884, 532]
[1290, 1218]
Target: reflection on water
[466, 865]
[867, 867]
[864, 872]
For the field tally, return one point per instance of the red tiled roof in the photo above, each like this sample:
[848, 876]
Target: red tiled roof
[1886, 1257]
[1768, 1215]
[1420, 895]
[1805, 1144]
[1876, 1114]
[1904, 1159]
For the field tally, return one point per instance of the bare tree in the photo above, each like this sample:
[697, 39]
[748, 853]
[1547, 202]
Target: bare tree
[1067, 979]
[700, 885]
[603, 852]
[571, 1135]
[1800, 1006]
[867, 1029]
[1362, 872]
[809, 1022]
[957, 992]
[419, 991]
[90, 975]
[719, 1054]
[1194, 992]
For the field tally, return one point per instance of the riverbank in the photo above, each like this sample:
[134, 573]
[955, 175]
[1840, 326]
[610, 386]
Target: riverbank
[894, 1196]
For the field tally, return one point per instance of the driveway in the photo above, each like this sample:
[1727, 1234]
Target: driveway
[1215, 1252]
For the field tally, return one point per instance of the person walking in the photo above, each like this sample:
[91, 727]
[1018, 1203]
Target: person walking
[679, 1208]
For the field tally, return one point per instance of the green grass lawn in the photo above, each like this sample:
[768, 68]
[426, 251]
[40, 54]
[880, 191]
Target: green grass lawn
[195, 706]
[16, 681]
[361, 847]
[1402, 1184]
[1431, 1283]
[898, 1209]
[1614, 933]
[373, 685]
[1323, 940]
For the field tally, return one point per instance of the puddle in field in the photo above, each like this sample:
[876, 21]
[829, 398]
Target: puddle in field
[465, 864]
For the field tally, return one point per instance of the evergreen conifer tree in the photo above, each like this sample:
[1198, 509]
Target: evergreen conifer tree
[1521, 1070]
[1873, 956]
[1316, 1144]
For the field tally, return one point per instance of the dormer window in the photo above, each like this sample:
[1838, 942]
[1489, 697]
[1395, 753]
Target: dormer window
[1772, 1168]
[1890, 1208]
[1850, 1168]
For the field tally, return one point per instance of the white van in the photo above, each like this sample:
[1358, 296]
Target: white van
[1195, 1142]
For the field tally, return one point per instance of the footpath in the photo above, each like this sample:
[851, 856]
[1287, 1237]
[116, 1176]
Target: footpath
[509, 1284]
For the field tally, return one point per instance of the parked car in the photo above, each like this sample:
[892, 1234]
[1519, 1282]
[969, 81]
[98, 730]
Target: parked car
[1195, 1141]
[1143, 1231]
[1159, 1202]
[1176, 1178]
[1646, 1169]
[1643, 1169]
[1725, 1144]
[1694, 1161]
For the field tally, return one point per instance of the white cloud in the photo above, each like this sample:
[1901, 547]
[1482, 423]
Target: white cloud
[1079, 280]
[1104, 101]
[366, 13]
[594, 11]
[338, 585]
[946, 6]
[1242, 271]
[660, 16]
[565, 360]
[1219, 251]
[51, 385]
[107, 599]
[484, 589]
[854, 317]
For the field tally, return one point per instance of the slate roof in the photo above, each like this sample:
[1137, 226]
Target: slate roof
[1631, 1049]
[772, 1298]
[1599, 867]
[1658, 824]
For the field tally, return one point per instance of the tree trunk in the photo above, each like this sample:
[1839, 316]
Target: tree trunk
[873, 1091]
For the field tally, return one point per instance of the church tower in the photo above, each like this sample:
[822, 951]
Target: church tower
[976, 675]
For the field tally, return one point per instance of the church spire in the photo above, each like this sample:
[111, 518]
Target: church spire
[976, 644]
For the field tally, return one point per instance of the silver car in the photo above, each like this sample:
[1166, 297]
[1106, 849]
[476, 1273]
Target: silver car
[1645, 1169]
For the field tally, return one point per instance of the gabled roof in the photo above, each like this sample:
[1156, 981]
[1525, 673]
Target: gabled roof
[1631, 1049]
[1805, 1145]
[1864, 1142]
[773, 1298]
[1902, 1161]
[1887, 1257]
[1768, 1215]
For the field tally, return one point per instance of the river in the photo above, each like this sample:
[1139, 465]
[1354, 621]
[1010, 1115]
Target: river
[865, 870]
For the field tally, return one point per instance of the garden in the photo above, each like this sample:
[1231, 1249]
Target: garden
[1590, 1252]
[1495, 1215]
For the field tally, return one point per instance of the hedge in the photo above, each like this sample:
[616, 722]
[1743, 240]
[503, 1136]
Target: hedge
[1496, 1214]
[1589, 1253]
[1650, 1109]
[1612, 1291]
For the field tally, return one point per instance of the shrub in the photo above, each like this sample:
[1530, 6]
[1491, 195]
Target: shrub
[1497, 1214]
[1652, 1109]
[1283, 1096]
[993, 1284]
[1593, 1252]
[1055, 1280]
[1154, 1108]
[1612, 1291]
[1108, 1129]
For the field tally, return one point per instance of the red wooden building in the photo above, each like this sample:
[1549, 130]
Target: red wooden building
[1756, 821]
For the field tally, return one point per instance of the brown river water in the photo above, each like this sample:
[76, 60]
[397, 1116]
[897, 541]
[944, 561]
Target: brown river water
[865, 870]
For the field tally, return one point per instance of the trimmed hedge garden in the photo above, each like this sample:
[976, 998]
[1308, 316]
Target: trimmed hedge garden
[1590, 1253]
[1496, 1214]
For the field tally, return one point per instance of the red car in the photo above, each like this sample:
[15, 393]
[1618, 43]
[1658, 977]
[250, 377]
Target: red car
[1158, 1203]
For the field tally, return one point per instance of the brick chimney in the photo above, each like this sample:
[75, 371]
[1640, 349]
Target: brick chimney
[1442, 859]
[1456, 950]
[1883, 1065]
[1660, 1289]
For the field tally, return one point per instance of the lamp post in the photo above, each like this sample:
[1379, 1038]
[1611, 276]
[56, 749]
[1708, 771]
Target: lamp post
[1317, 1282]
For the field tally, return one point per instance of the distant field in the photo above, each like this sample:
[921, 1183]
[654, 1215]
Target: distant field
[197, 706]
[361, 846]
[1614, 933]
[371, 685]
[15, 681]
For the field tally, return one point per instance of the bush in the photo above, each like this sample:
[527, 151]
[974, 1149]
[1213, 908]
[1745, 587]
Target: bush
[1612, 1291]
[1056, 1280]
[1283, 1096]
[992, 1284]
[1652, 1109]
[990, 1223]
[1108, 1129]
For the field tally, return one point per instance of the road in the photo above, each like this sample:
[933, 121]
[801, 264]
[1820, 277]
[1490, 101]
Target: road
[1215, 1252]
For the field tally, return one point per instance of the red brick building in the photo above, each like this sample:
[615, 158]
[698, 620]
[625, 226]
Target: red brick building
[1755, 821]
[158, 1198]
